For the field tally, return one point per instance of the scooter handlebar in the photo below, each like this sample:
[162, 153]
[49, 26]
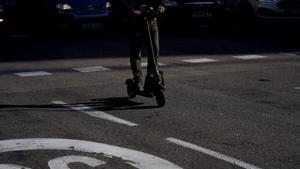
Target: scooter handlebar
[149, 11]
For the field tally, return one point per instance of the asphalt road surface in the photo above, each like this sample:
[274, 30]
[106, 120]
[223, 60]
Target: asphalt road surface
[233, 101]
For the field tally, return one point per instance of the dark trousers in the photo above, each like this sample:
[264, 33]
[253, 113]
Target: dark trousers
[139, 36]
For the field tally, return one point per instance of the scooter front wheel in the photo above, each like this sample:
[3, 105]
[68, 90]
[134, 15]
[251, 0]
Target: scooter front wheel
[160, 97]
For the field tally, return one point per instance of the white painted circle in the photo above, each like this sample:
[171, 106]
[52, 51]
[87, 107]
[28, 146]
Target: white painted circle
[134, 158]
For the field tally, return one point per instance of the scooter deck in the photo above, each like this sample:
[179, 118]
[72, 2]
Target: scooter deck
[140, 93]
[145, 94]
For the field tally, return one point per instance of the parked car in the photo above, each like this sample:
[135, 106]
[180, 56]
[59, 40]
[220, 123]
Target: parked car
[83, 13]
[3, 19]
[266, 10]
[2, 14]
[183, 10]
[40, 14]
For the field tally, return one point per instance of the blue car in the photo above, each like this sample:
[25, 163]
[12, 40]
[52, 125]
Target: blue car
[2, 14]
[3, 19]
[82, 13]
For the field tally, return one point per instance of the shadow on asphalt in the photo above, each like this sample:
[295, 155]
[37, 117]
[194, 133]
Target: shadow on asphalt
[46, 106]
[117, 103]
[103, 104]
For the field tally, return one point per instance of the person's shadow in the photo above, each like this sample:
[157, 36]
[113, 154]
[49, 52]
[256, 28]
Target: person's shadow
[101, 104]
[117, 103]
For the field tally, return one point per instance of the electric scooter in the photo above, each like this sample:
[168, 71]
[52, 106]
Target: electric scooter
[154, 85]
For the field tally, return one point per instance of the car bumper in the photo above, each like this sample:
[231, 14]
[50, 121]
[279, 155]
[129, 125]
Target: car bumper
[69, 19]
[2, 22]
[275, 12]
[189, 11]
[2, 15]
[3, 30]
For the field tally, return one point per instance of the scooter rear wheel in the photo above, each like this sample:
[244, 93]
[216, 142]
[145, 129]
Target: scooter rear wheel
[160, 98]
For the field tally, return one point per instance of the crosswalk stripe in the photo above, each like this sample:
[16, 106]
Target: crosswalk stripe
[92, 69]
[145, 64]
[248, 57]
[200, 60]
[293, 53]
[36, 73]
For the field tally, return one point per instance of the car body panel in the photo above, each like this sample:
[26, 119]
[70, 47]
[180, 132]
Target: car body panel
[83, 11]
[192, 9]
[272, 10]
[3, 19]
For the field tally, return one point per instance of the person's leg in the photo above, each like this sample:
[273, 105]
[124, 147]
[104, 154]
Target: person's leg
[135, 42]
[152, 42]
[153, 46]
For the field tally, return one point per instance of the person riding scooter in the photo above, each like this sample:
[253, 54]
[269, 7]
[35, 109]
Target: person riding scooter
[138, 33]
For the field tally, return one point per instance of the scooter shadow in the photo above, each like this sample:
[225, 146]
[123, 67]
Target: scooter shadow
[117, 103]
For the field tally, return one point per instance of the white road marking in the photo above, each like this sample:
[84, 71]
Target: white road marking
[134, 158]
[200, 60]
[63, 162]
[248, 57]
[297, 53]
[95, 113]
[12, 166]
[92, 69]
[144, 64]
[212, 153]
[36, 73]
[297, 88]
[290, 54]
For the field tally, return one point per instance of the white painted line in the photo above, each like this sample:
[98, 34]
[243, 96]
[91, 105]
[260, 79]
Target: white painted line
[145, 64]
[63, 162]
[297, 88]
[136, 159]
[200, 60]
[92, 69]
[12, 166]
[248, 57]
[290, 54]
[37, 73]
[95, 113]
[212, 153]
[297, 53]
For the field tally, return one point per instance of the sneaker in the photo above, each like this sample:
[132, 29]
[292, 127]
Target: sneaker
[139, 85]
[161, 80]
